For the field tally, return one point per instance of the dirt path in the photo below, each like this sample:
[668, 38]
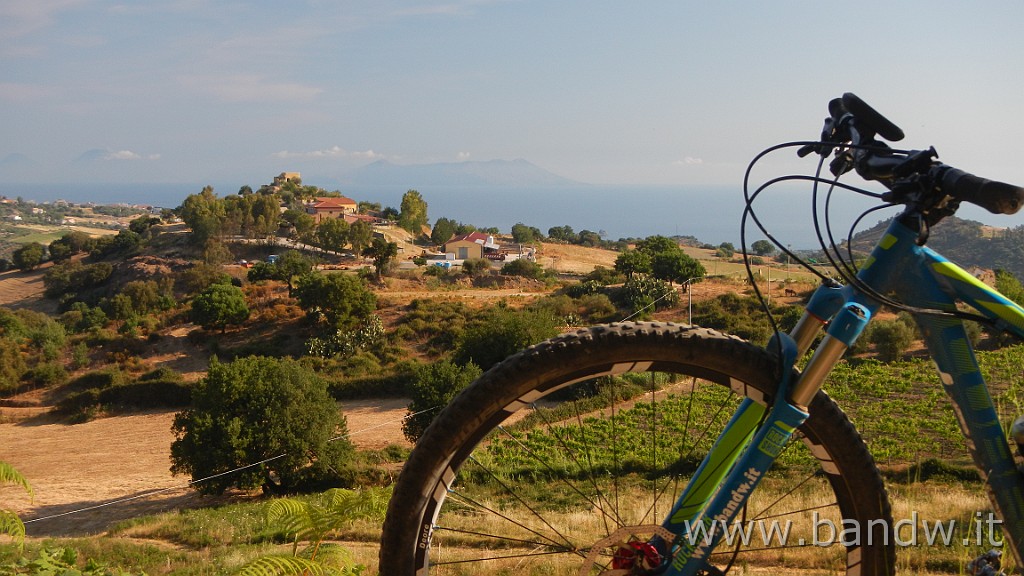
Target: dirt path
[118, 468]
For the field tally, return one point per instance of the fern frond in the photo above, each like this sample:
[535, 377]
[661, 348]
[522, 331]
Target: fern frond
[332, 554]
[8, 475]
[346, 505]
[284, 566]
[11, 525]
[297, 519]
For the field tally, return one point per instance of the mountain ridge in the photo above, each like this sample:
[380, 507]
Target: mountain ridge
[503, 173]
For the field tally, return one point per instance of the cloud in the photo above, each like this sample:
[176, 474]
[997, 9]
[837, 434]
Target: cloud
[688, 161]
[332, 152]
[250, 88]
[455, 8]
[128, 155]
[104, 155]
[19, 19]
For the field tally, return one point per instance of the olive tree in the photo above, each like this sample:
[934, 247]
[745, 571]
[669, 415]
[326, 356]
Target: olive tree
[29, 256]
[260, 422]
[218, 306]
[340, 300]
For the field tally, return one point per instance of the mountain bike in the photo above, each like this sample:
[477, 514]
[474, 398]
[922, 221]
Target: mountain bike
[639, 448]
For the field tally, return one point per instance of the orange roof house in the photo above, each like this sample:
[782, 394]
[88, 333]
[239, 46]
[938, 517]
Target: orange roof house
[333, 207]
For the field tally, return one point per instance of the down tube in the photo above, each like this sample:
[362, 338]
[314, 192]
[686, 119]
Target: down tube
[962, 380]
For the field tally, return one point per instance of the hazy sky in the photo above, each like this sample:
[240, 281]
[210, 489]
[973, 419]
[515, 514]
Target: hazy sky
[666, 92]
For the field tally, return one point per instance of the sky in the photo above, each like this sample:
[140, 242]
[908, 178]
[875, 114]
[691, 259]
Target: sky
[602, 92]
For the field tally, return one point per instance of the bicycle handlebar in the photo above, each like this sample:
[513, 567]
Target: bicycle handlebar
[996, 197]
[853, 121]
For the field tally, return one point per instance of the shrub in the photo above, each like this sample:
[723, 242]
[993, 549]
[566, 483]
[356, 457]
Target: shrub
[644, 294]
[12, 365]
[892, 338]
[476, 266]
[433, 387]
[259, 409]
[218, 306]
[585, 288]
[598, 308]
[504, 332]
[82, 318]
[46, 374]
[523, 268]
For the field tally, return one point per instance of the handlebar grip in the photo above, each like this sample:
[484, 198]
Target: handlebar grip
[996, 197]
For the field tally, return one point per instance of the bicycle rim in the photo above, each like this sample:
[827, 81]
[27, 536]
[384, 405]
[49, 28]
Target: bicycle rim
[566, 458]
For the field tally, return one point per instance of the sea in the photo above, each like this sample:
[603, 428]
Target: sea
[711, 214]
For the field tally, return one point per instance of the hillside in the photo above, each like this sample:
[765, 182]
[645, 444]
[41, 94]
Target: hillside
[965, 242]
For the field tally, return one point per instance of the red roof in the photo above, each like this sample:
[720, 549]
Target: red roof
[478, 237]
[329, 203]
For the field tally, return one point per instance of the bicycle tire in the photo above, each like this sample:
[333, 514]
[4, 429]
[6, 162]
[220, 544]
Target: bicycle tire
[414, 527]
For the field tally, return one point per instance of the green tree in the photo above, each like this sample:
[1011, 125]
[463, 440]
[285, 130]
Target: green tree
[676, 266]
[360, 234]
[12, 364]
[1008, 285]
[204, 213]
[340, 300]
[633, 262]
[523, 234]
[367, 207]
[146, 296]
[442, 231]
[29, 256]
[588, 238]
[434, 386]
[331, 234]
[218, 306]
[563, 233]
[303, 223]
[68, 245]
[291, 264]
[763, 248]
[266, 214]
[264, 410]
[413, 216]
[382, 253]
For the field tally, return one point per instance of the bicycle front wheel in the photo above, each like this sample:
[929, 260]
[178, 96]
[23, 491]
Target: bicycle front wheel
[566, 457]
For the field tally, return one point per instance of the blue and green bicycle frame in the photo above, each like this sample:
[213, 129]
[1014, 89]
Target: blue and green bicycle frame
[750, 443]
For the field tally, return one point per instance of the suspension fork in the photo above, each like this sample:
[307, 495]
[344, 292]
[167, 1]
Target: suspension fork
[751, 442]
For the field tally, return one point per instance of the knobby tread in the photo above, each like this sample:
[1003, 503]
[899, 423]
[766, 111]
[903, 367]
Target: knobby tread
[858, 487]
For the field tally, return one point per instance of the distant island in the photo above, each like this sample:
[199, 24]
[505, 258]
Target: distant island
[492, 173]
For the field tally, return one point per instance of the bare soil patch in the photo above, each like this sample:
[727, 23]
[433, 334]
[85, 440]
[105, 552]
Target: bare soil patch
[574, 259]
[89, 476]
[25, 290]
